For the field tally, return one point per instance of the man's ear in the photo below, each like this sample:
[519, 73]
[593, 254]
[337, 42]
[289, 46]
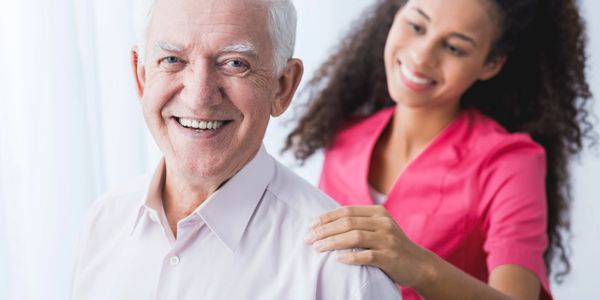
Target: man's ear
[139, 72]
[287, 84]
[492, 67]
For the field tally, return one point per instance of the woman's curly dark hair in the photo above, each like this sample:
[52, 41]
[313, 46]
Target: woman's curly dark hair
[541, 90]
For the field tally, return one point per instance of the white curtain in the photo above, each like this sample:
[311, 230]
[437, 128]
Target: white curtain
[70, 127]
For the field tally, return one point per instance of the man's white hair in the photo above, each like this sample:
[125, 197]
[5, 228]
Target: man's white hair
[281, 25]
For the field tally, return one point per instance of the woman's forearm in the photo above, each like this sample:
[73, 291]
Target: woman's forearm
[443, 280]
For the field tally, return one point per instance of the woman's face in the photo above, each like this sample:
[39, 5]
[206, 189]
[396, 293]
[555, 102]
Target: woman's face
[436, 49]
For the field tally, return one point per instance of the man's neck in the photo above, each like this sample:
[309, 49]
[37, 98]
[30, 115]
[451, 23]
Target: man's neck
[180, 199]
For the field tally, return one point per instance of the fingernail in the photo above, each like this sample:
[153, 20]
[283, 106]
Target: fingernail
[319, 245]
[310, 236]
[315, 222]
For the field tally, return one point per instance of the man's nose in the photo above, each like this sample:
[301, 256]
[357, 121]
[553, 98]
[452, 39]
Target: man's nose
[202, 86]
[424, 54]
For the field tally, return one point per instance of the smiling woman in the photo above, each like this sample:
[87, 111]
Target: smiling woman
[463, 136]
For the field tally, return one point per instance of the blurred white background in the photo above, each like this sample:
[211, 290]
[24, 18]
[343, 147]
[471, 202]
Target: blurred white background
[71, 127]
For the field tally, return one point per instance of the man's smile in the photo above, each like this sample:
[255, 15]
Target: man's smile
[197, 124]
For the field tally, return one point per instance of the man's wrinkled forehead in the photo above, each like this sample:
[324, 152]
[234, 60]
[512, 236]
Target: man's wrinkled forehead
[227, 12]
[233, 17]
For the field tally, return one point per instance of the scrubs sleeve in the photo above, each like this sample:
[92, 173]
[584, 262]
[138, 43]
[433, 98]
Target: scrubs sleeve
[515, 208]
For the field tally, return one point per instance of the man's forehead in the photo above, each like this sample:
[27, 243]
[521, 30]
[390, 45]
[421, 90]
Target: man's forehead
[199, 10]
[190, 20]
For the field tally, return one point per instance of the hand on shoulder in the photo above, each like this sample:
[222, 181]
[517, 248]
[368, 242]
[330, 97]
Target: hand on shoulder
[380, 240]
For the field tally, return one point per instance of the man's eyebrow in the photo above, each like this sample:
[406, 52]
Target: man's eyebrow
[165, 46]
[243, 48]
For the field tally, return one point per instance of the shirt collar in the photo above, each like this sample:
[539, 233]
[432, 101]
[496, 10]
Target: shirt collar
[227, 212]
[151, 201]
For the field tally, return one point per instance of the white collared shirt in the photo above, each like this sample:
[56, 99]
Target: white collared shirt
[244, 242]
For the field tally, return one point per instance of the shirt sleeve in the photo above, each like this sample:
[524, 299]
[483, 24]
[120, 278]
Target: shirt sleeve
[515, 208]
[82, 244]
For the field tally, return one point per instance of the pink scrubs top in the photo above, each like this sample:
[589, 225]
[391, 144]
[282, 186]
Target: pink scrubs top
[475, 196]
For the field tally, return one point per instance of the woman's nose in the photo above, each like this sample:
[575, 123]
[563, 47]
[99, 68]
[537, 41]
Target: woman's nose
[423, 54]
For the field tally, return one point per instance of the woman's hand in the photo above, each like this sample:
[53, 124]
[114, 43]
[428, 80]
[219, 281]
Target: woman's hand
[372, 228]
[387, 247]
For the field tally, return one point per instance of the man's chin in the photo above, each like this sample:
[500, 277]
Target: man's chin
[205, 168]
[200, 169]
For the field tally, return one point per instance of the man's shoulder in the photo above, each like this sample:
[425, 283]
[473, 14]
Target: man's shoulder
[355, 282]
[296, 202]
[131, 190]
[119, 201]
[298, 194]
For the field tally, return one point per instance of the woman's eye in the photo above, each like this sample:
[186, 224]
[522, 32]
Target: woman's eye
[454, 50]
[415, 28]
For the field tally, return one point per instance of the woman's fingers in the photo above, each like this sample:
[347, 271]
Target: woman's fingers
[350, 239]
[374, 236]
[349, 211]
[360, 257]
[339, 226]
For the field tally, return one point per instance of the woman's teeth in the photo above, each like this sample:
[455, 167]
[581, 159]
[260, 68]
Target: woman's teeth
[414, 78]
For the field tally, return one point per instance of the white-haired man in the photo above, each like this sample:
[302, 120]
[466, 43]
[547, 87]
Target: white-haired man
[220, 218]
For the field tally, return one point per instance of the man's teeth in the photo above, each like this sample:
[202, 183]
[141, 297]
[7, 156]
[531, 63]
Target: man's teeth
[413, 78]
[211, 125]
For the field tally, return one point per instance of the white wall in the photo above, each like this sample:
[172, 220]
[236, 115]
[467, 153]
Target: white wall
[583, 282]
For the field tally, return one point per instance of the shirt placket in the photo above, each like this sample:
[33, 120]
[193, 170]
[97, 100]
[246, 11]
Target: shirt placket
[174, 262]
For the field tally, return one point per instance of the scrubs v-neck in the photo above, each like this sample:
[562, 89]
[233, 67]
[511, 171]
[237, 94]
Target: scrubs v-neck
[475, 195]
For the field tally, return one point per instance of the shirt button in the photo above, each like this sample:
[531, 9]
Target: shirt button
[174, 260]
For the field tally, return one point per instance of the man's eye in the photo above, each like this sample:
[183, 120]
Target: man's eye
[171, 63]
[235, 66]
[234, 63]
[171, 60]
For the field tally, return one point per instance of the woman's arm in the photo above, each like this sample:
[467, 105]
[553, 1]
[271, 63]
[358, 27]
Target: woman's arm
[387, 247]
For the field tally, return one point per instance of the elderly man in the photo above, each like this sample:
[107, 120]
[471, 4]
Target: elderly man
[220, 218]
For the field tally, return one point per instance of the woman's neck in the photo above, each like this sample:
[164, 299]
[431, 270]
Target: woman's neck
[412, 129]
[407, 135]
